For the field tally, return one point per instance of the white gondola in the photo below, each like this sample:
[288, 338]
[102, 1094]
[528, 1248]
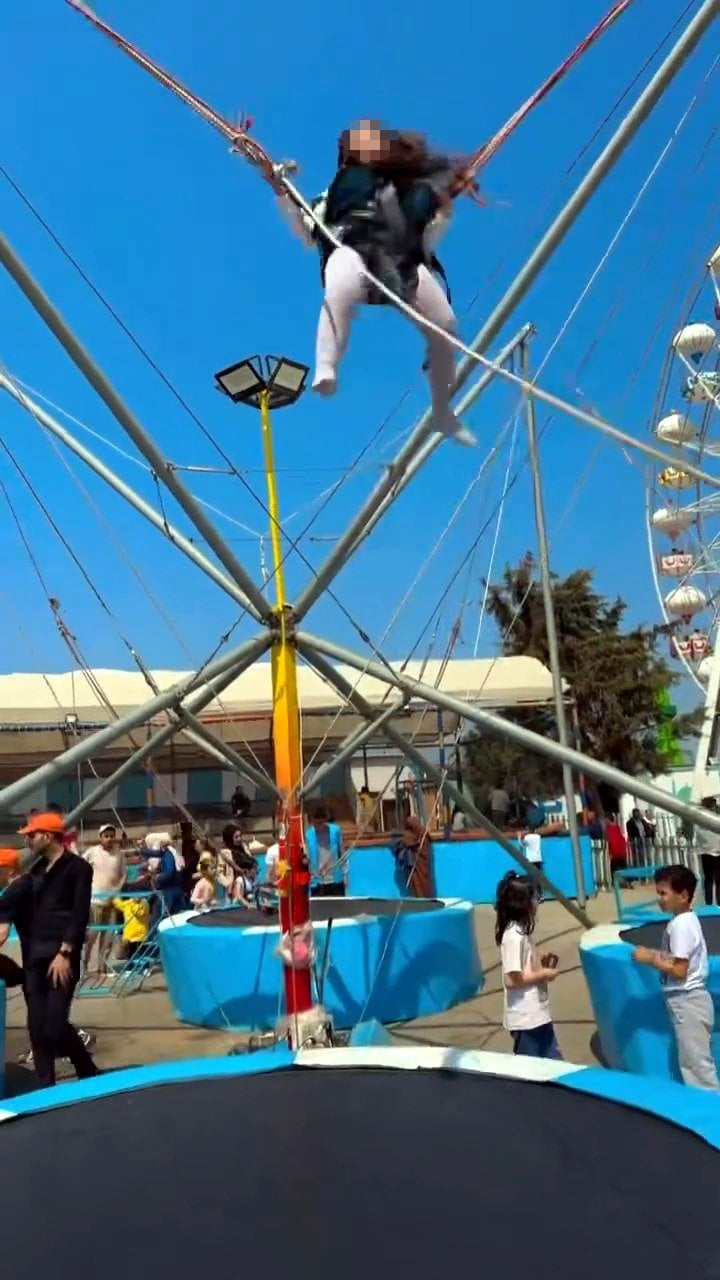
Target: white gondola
[704, 671]
[671, 521]
[675, 428]
[685, 601]
[695, 341]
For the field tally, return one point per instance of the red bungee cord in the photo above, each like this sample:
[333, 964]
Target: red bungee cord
[238, 134]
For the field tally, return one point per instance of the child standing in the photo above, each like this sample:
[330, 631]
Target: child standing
[683, 966]
[525, 975]
[136, 923]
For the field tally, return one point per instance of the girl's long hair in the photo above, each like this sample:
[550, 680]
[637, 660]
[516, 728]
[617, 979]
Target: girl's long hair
[515, 903]
[411, 158]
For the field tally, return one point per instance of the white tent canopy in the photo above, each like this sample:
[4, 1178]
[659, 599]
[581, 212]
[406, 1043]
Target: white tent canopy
[45, 699]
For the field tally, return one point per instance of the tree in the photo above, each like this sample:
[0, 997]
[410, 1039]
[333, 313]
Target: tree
[617, 679]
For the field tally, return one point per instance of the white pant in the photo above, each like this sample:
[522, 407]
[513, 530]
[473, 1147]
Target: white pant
[692, 1017]
[346, 286]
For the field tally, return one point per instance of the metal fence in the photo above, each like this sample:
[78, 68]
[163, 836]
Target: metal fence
[660, 852]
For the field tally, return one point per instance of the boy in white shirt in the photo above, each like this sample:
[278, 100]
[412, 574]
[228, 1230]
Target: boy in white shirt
[683, 965]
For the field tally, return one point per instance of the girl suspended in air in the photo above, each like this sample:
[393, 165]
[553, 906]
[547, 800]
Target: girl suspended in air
[388, 202]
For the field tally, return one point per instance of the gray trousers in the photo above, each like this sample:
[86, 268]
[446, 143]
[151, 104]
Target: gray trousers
[691, 1013]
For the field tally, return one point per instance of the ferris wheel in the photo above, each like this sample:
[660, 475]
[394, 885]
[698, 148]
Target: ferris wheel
[683, 515]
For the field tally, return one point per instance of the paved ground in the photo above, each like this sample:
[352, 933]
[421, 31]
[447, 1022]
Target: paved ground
[141, 1028]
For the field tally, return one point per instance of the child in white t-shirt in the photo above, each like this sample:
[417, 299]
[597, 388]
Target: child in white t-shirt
[683, 965]
[525, 974]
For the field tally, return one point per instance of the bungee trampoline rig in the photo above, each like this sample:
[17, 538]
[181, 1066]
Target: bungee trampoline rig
[343, 1149]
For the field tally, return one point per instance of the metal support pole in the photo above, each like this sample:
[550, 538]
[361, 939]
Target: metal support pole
[706, 732]
[524, 280]
[196, 702]
[497, 727]
[353, 742]
[293, 881]
[203, 735]
[329, 673]
[551, 630]
[130, 495]
[236, 660]
[608, 158]
[401, 475]
[255, 603]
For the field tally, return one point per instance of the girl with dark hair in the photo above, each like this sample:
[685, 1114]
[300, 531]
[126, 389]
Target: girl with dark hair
[389, 198]
[525, 975]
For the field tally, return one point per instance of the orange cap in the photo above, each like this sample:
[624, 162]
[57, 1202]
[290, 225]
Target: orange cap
[9, 858]
[53, 823]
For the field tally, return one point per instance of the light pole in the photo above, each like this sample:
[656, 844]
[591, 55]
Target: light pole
[266, 383]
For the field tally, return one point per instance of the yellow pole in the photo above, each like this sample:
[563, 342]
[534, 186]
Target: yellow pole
[293, 878]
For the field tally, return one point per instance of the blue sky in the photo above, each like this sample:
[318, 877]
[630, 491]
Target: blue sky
[186, 243]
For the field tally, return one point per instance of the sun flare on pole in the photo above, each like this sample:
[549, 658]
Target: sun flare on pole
[270, 383]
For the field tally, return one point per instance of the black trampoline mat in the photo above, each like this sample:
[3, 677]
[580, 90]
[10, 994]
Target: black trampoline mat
[320, 909]
[651, 934]
[353, 1172]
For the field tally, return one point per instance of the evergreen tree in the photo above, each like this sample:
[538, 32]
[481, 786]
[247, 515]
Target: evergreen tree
[615, 676]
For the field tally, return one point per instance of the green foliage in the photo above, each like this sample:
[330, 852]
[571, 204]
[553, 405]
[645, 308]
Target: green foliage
[616, 677]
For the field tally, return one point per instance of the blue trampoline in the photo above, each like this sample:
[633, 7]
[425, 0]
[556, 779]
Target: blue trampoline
[376, 958]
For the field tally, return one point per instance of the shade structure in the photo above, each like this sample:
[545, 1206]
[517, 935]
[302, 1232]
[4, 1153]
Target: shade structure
[627, 999]
[383, 959]
[399, 1161]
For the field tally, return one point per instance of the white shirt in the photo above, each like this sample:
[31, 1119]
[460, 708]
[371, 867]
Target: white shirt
[525, 1007]
[272, 857]
[684, 939]
[108, 868]
[532, 844]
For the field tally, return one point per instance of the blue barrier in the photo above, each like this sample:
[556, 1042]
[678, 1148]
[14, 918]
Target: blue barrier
[466, 868]
[628, 1003]
[391, 968]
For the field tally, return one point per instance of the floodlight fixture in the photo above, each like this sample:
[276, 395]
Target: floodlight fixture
[281, 380]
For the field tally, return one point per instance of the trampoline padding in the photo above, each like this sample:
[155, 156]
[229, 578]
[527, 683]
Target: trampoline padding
[357, 1171]
[651, 933]
[320, 909]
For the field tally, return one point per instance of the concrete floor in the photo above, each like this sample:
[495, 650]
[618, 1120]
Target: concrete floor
[142, 1028]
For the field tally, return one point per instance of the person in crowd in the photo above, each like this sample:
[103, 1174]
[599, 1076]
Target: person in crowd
[207, 892]
[707, 845]
[531, 842]
[240, 804]
[136, 924]
[413, 857]
[245, 881]
[233, 855]
[190, 847]
[49, 905]
[525, 974]
[323, 846]
[500, 807]
[70, 840]
[682, 963]
[272, 859]
[167, 876]
[638, 834]
[459, 820]
[109, 872]
[366, 812]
